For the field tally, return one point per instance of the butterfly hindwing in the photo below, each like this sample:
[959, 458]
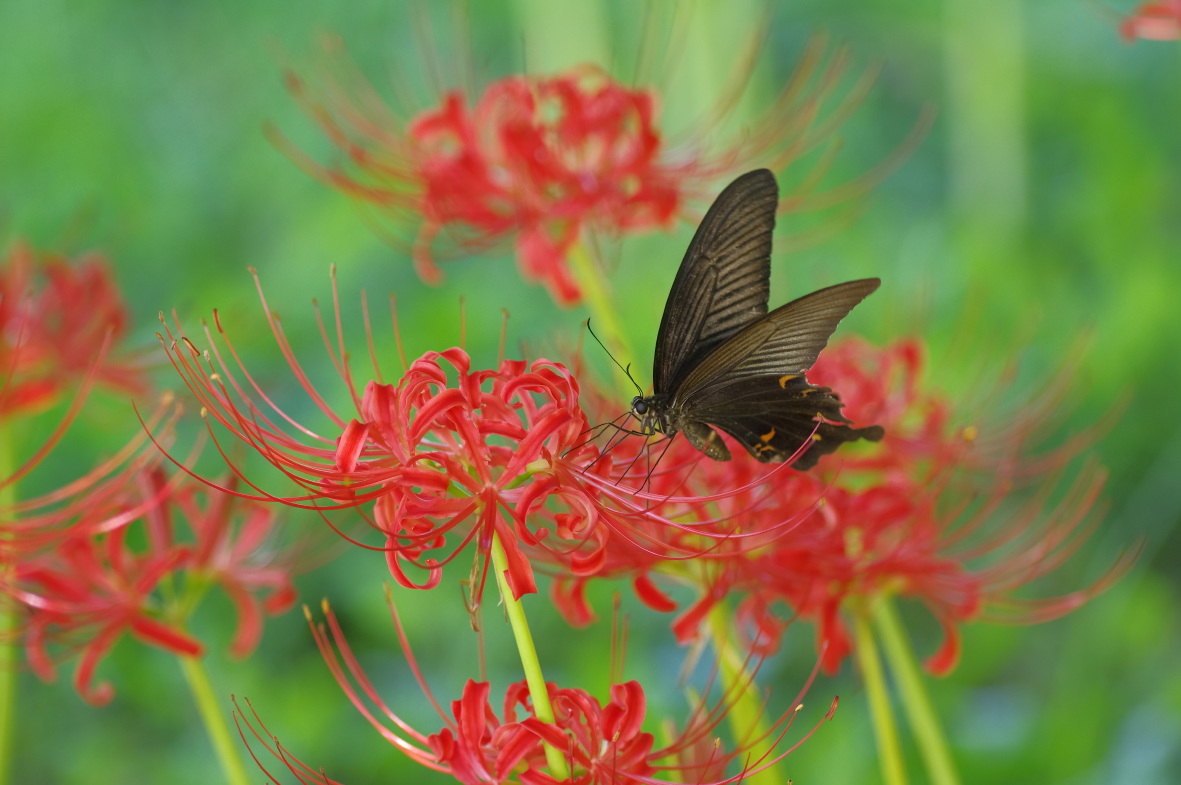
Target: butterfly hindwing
[772, 416]
[724, 280]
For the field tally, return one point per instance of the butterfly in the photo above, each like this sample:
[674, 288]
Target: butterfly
[723, 361]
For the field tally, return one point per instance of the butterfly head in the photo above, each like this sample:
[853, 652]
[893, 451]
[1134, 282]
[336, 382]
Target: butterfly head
[648, 411]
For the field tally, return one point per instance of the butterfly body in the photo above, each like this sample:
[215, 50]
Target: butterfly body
[656, 416]
[723, 361]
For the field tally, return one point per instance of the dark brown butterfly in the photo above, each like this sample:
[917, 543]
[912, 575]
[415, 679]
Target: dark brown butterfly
[722, 360]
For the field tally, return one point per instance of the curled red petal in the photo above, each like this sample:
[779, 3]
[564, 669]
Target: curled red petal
[652, 596]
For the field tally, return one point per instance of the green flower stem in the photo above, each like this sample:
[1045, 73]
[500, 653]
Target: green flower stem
[532, 666]
[922, 717]
[882, 713]
[746, 716]
[224, 743]
[10, 653]
[604, 320]
[10, 665]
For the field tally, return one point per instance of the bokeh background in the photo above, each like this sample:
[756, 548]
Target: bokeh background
[1039, 220]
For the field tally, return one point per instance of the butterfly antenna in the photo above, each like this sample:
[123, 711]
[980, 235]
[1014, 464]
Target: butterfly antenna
[626, 369]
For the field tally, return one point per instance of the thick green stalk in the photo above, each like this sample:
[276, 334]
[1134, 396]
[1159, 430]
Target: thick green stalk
[529, 661]
[923, 720]
[225, 744]
[984, 116]
[559, 36]
[746, 716]
[10, 666]
[595, 295]
[880, 709]
[10, 654]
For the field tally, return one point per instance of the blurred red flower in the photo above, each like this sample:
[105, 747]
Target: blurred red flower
[1156, 21]
[59, 322]
[542, 161]
[94, 587]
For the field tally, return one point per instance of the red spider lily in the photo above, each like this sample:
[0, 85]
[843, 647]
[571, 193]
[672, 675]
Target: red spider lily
[58, 331]
[957, 518]
[451, 456]
[1156, 21]
[537, 160]
[602, 743]
[442, 464]
[542, 161]
[93, 588]
[469, 450]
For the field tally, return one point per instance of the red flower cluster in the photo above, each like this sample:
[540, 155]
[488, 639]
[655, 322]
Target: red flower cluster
[603, 744]
[444, 464]
[58, 322]
[536, 160]
[451, 456]
[102, 582]
[466, 452]
[542, 161]
[926, 514]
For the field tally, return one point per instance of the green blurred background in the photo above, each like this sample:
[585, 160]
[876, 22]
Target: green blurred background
[1041, 212]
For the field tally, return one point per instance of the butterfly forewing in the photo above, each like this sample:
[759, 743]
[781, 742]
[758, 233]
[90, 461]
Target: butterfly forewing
[724, 280]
